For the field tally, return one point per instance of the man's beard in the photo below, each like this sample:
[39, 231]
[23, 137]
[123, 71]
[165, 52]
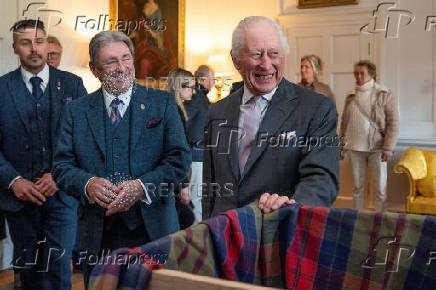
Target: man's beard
[109, 81]
[31, 61]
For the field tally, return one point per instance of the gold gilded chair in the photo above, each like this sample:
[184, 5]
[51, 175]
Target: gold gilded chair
[420, 167]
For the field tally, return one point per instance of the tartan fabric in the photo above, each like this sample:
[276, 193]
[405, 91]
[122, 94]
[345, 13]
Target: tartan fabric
[296, 247]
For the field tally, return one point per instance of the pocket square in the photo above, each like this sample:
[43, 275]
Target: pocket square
[287, 135]
[154, 122]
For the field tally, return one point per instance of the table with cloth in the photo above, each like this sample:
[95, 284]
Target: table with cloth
[296, 247]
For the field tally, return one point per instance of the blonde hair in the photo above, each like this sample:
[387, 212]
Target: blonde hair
[54, 40]
[176, 78]
[316, 63]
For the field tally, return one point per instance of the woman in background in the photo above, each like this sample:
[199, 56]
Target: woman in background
[181, 83]
[310, 68]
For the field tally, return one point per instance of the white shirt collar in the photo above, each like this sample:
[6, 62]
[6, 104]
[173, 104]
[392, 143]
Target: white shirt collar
[125, 98]
[43, 74]
[248, 95]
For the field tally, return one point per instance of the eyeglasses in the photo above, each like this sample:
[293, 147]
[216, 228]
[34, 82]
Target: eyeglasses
[113, 62]
[187, 86]
[53, 54]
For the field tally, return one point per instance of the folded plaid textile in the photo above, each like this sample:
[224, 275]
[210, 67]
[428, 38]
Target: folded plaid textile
[296, 247]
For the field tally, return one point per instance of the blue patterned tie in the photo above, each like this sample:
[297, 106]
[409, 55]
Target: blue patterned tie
[115, 112]
[36, 87]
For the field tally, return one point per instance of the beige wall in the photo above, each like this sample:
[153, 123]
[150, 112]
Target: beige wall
[405, 64]
[209, 25]
[75, 41]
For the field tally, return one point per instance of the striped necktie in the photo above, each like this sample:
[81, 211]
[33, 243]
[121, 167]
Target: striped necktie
[115, 112]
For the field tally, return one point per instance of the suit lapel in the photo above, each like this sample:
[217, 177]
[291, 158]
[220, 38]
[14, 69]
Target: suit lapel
[18, 94]
[230, 138]
[96, 120]
[282, 105]
[140, 105]
[55, 100]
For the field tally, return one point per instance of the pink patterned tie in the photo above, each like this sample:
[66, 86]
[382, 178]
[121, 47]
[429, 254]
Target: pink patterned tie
[251, 114]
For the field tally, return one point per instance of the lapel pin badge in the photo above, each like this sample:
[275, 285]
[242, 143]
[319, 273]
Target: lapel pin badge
[59, 85]
[142, 107]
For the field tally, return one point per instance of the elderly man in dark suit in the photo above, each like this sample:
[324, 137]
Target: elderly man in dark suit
[120, 151]
[270, 140]
[42, 219]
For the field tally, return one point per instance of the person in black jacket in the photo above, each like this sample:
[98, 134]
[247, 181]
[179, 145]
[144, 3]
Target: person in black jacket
[181, 83]
[197, 110]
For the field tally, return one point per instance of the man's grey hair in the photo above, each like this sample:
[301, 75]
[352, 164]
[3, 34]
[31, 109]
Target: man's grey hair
[105, 37]
[202, 71]
[248, 22]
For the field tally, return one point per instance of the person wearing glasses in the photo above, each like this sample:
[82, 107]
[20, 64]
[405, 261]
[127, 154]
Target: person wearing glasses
[181, 84]
[54, 51]
[119, 151]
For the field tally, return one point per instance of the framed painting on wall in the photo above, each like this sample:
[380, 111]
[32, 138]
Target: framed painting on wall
[324, 3]
[157, 29]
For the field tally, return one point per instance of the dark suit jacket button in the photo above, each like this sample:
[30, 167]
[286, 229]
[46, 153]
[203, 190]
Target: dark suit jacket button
[116, 156]
[27, 147]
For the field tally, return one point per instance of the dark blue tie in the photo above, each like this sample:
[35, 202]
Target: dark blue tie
[36, 87]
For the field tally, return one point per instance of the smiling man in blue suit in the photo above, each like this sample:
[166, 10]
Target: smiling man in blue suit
[42, 219]
[119, 151]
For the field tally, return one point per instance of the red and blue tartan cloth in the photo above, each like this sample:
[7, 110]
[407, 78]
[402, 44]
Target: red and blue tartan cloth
[296, 247]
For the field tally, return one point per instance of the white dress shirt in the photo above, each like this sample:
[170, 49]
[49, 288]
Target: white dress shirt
[122, 107]
[44, 74]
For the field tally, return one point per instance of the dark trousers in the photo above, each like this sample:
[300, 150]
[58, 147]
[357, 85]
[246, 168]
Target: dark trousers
[2, 226]
[115, 237]
[43, 238]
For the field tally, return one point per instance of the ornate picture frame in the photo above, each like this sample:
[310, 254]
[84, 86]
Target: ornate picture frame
[157, 29]
[304, 4]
